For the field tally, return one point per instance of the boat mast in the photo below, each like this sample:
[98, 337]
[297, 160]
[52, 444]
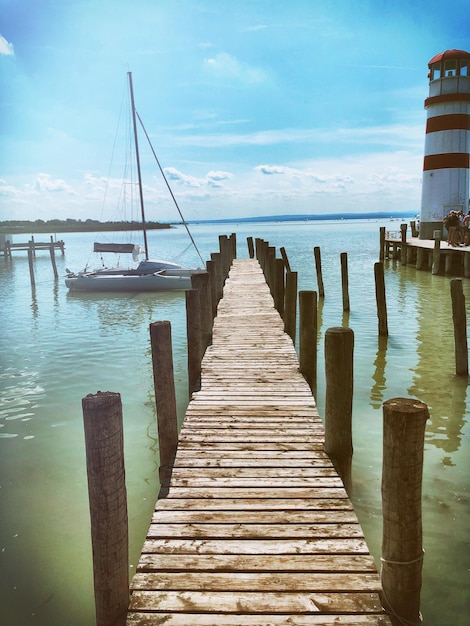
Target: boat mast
[137, 157]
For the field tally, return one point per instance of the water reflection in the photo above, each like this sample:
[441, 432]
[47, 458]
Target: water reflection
[434, 379]
[377, 391]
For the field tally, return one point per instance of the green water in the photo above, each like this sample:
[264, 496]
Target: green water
[57, 347]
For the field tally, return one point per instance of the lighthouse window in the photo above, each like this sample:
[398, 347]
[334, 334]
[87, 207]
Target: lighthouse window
[464, 67]
[450, 68]
[435, 71]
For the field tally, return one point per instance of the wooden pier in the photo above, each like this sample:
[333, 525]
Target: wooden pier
[257, 527]
[32, 246]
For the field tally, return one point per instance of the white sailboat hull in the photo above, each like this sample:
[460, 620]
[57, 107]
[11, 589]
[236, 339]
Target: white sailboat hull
[98, 282]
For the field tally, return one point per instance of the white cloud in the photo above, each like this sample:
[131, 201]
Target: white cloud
[45, 182]
[6, 47]
[212, 178]
[226, 66]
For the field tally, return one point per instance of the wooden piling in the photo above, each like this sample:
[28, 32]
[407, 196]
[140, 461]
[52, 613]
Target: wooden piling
[404, 422]
[308, 337]
[165, 398]
[344, 280]
[381, 298]
[285, 259]
[193, 334]
[459, 318]
[403, 247]
[200, 281]
[279, 286]
[251, 249]
[317, 255]
[30, 263]
[290, 306]
[54, 266]
[104, 442]
[382, 244]
[339, 348]
[212, 271]
[436, 256]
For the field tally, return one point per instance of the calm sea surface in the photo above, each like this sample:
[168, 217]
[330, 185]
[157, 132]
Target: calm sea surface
[57, 347]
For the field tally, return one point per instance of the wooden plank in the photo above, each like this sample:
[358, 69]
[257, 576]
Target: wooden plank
[226, 619]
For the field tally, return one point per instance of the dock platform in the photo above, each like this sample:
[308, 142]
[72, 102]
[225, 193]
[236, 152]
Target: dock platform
[256, 528]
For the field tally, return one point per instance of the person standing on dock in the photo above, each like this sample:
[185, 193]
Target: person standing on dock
[452, 223]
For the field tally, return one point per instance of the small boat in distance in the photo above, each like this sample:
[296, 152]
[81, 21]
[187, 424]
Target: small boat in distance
[150, 274]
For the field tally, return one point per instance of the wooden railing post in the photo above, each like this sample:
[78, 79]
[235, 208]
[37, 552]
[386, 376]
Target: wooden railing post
[339, 348]
[251, 249]
[402, 545]
[165, 398]
[436, 255]
[382, 244]
[279, 286]
[104, 442]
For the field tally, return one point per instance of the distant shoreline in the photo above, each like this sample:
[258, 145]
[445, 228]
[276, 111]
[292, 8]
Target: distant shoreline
[17, 227]
[13, 227]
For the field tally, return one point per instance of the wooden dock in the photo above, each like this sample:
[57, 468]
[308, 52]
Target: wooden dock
[257, 528]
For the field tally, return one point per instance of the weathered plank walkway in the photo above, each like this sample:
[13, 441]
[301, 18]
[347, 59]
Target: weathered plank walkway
[257, 528]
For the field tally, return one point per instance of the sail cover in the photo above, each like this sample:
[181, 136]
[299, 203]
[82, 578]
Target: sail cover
[114, 247]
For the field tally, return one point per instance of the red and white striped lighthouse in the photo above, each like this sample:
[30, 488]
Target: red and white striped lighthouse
[446, 168]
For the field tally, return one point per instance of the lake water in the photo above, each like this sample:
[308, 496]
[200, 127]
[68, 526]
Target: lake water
[57, 347]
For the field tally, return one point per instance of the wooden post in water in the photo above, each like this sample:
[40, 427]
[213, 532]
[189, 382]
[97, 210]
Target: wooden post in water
[308, 337]
[290, 308]
[30, 263]
[104, 442]
[321, 289]
[339, 348]
[382, 244]
[285, 259]
[381, 298]
[404, 422]
[200, 281]
[165, 398]
[420, 258]
[219, 279]
[212, 271]
[279, 286]
[233, 247]
[459, 318]
[251, 249]
[344, 280]
[52, 253]
[193, 333]
[436, 256]
[403, 247]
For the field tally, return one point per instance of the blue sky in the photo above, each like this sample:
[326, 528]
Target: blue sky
[254, 107]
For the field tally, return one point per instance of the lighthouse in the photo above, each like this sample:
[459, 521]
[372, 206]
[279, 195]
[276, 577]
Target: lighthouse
[446, 167]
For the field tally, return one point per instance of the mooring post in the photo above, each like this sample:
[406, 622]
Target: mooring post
[290, 306]
[279, 286]
[193, 333]
[233, 247]
[459, 318]
[404, 422]
[339, 348]
[403, 247]
[165, 399]
[251, 249]
[30, 263]
[344, 280]
[381, 298]
[200, 281]
[104, 442]
[212, 271]
[219, 280]
[382, 244]
[317, 255]
[285, 259]
[308, 337]
[436, 255]
[52, 253]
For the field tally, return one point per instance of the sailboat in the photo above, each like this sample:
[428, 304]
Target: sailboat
[150, 274]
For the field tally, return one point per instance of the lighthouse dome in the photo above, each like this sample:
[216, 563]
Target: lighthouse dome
[449, 64]
[449, 54]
